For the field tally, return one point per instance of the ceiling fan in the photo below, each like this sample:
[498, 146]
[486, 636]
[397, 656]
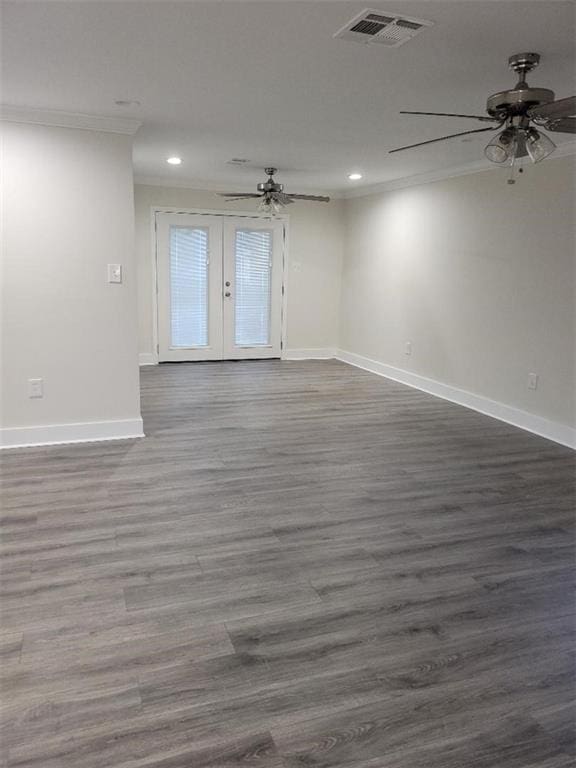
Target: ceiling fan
[272, 195]
[517, 111]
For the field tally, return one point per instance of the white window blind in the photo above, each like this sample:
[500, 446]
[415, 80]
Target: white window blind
[189, 286]
[253, 258]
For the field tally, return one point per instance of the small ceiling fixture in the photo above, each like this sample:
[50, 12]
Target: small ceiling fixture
[354, 176]
[174, 160]
[272, 196]
[127, 102]
[517, 111]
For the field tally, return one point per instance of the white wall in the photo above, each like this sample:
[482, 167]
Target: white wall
[478, 275]
[315, 256]
[67, 212]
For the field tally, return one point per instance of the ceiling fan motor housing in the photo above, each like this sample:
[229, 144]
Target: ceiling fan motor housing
[270, 186]
[517, 101]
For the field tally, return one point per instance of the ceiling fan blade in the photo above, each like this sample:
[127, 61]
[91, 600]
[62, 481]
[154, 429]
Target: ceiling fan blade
[235, 199]
[562, 125]
[243, 195]
[443, 138]
[316, 198]
[560, 108]
[485, 118]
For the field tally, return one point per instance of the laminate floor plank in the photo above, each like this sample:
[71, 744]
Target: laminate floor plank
[303, 564]
[402, 734]
[558, 719]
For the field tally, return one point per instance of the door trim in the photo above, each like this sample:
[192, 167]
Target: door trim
[154, 209]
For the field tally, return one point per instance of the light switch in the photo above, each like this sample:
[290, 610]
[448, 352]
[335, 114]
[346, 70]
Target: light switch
[114, 273]
[35, 388]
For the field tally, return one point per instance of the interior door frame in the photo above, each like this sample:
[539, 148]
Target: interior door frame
[283, 217]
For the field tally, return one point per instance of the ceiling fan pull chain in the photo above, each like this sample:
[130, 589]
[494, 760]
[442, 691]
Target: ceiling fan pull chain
[511, 179]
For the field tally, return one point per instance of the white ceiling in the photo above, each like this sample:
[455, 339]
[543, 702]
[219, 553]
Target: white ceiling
[266, 80]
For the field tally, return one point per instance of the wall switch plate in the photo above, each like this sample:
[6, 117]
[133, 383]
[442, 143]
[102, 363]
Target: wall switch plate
[408, 348]
[532, 381]
[114, 273]
[35, 387]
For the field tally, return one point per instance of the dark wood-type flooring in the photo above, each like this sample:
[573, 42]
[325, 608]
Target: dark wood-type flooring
[302, 566]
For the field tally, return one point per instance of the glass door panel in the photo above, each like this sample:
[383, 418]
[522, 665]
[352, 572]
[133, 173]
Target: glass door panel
[189, 268]
[252, 271]
[253, 276]
[189, 286]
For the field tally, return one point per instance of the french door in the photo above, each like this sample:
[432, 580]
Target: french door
[219, 287]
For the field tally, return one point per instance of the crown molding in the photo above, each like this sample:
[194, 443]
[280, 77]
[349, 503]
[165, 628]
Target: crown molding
[198, 185]
[195, 185]
[479, 166]
[58, 119]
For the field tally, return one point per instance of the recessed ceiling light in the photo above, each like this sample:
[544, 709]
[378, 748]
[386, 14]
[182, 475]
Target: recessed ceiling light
[174, 160]
[354, 176]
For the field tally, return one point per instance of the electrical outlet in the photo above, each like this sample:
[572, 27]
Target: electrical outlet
[408, 348]
[114, 273]
[35, 388]
[532, 381]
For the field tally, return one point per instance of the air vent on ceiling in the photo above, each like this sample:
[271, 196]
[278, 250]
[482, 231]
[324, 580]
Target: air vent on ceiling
[237, 161]
[389, 29]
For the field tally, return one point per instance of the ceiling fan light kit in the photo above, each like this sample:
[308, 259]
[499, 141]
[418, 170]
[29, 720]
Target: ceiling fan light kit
[269, 206]
[516, 110]
[538, 145]
[501, 149]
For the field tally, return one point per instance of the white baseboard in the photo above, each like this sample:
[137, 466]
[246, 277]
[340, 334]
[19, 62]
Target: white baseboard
[316, 353]
[147, 358]
[313, 353]
[552, 430]
[56, 434]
